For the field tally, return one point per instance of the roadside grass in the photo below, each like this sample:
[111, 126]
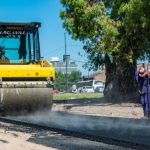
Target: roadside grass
[77, 96]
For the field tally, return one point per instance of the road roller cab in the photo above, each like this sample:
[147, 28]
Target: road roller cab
[26, 81]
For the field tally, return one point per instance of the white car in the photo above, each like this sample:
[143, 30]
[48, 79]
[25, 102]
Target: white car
[99, 89]
[87, 89]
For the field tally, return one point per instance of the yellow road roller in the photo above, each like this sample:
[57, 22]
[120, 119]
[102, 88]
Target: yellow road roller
[26, 81]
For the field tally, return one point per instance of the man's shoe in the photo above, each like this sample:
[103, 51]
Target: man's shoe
[146, 117]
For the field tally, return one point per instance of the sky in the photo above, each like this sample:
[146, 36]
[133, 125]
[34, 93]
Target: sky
[51, 32]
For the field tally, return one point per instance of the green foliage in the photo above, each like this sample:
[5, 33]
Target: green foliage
[80, 19]
[136, 14]
[60, 81]
[119, 29]
[74, 77]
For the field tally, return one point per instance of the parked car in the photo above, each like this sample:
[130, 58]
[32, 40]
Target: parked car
[99, 89]
[55, 91]
[87, 89]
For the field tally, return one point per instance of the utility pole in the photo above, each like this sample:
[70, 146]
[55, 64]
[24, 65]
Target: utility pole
[66, 64]
[88, 73]
[60, 67]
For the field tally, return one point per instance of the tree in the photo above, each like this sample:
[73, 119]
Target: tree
[74, 77]
[60, 81]
[116, 33]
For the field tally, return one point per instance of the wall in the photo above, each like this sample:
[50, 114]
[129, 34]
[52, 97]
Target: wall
[101, 77]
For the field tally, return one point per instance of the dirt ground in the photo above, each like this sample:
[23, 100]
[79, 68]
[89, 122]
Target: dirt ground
[18, 138]
[126, 110]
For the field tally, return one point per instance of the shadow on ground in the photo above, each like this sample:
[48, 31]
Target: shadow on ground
[3, 141]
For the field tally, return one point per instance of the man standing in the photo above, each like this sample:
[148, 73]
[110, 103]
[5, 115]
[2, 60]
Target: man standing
[142, 79]
[74, 89]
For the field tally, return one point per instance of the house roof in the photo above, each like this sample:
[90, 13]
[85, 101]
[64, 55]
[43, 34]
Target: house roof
[92, 75]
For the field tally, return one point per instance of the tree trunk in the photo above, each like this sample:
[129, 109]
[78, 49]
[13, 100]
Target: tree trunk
[121, 85]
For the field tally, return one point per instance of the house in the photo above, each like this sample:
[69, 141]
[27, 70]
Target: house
[96, 76]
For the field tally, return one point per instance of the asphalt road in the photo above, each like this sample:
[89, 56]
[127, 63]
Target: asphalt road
[22, 136]
[129, 133]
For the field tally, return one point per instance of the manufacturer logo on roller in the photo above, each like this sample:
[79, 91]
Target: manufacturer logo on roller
[36, 73]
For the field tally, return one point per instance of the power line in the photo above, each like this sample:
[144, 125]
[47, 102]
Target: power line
[59, 49]
[54, 50]
[75, 45]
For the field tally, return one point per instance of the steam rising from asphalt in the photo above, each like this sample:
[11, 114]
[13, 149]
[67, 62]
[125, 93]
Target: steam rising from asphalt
[78, 122]
[56, 119]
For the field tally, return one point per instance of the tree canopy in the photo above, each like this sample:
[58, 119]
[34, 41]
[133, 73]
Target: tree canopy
[116, 33]
[118, 29]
